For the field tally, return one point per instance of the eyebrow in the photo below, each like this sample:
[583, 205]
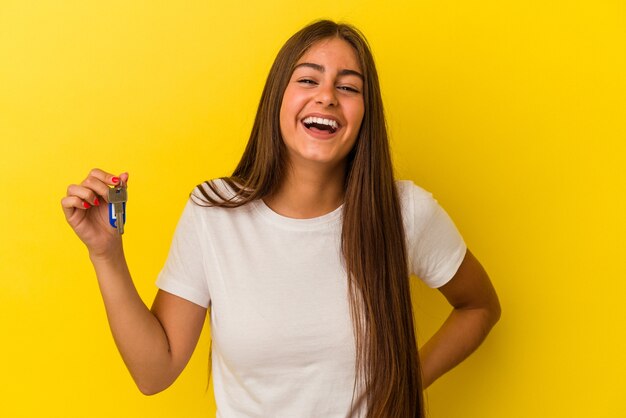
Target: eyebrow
[321, 69]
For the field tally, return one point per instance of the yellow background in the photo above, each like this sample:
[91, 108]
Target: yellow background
[511, 113]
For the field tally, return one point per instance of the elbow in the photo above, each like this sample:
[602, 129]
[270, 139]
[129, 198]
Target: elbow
[148, 391]
[495, 312]
[152, 379]
[151, 387]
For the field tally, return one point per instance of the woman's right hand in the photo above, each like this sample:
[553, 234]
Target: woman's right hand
[86, 210]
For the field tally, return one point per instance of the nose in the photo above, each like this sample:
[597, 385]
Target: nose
[326, 95]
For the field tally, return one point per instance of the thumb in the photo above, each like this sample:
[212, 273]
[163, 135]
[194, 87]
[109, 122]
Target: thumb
[124, 178]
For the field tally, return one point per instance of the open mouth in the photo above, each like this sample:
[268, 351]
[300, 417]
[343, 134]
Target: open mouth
[321, 124]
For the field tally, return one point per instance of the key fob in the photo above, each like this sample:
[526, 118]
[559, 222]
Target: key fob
[113, 215]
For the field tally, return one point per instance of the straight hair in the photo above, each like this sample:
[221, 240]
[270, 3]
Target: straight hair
[387, 369]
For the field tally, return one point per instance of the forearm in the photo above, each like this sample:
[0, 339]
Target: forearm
[140, 338]
[462, 332]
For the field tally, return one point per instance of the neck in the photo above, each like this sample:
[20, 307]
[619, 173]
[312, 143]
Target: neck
[308, 192]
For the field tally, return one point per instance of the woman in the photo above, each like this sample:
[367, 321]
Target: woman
[303, 256]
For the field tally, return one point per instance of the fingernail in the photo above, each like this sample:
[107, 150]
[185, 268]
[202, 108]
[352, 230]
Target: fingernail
[115, 179]
[96, 202]
[86, 205]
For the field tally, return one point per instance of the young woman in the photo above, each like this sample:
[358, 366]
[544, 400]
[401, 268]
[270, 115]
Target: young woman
[303, 257]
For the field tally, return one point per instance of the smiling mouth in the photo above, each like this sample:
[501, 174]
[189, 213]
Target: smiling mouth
[321, 124]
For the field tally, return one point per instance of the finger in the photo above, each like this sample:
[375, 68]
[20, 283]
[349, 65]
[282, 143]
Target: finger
[86, 194]
[124, 178]
[105, 177]
[98, 187]
[70, 204]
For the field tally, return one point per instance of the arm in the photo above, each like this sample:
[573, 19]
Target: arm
[155, 344]
[476, 310]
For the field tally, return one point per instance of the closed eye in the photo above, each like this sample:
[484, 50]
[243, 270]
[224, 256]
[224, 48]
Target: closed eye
[307, 81]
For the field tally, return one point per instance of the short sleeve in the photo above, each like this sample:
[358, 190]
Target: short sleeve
[184, 273]
[435, 247]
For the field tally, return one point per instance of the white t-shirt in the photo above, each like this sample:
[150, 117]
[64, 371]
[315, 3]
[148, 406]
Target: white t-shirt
[283, 342]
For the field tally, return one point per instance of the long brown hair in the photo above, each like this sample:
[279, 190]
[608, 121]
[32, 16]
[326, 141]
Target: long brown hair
[388, 375]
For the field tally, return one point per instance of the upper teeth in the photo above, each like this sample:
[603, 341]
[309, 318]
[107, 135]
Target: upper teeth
[321, 121]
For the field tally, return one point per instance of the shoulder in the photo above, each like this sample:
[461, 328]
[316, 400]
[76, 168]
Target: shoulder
[414, 200]
[206, 201]
[221, 203]
[216, 192]
[435, 246]
[420, 209]
[408, 189]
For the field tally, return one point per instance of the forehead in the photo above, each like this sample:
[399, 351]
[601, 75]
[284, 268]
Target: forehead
[332, 52]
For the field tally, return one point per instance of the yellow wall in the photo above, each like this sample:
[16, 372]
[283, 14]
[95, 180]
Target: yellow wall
[511, 113]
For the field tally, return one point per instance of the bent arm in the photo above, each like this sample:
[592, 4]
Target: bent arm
[476, 311]
[155, 344]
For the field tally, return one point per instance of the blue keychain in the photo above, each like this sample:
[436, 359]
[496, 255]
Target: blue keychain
[117, 207]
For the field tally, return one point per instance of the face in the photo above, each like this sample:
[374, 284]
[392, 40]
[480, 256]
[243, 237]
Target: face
[322, 107]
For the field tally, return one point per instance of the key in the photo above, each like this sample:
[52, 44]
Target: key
[117, 207]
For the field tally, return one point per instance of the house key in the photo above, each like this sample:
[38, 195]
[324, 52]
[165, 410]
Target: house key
[117, 206]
